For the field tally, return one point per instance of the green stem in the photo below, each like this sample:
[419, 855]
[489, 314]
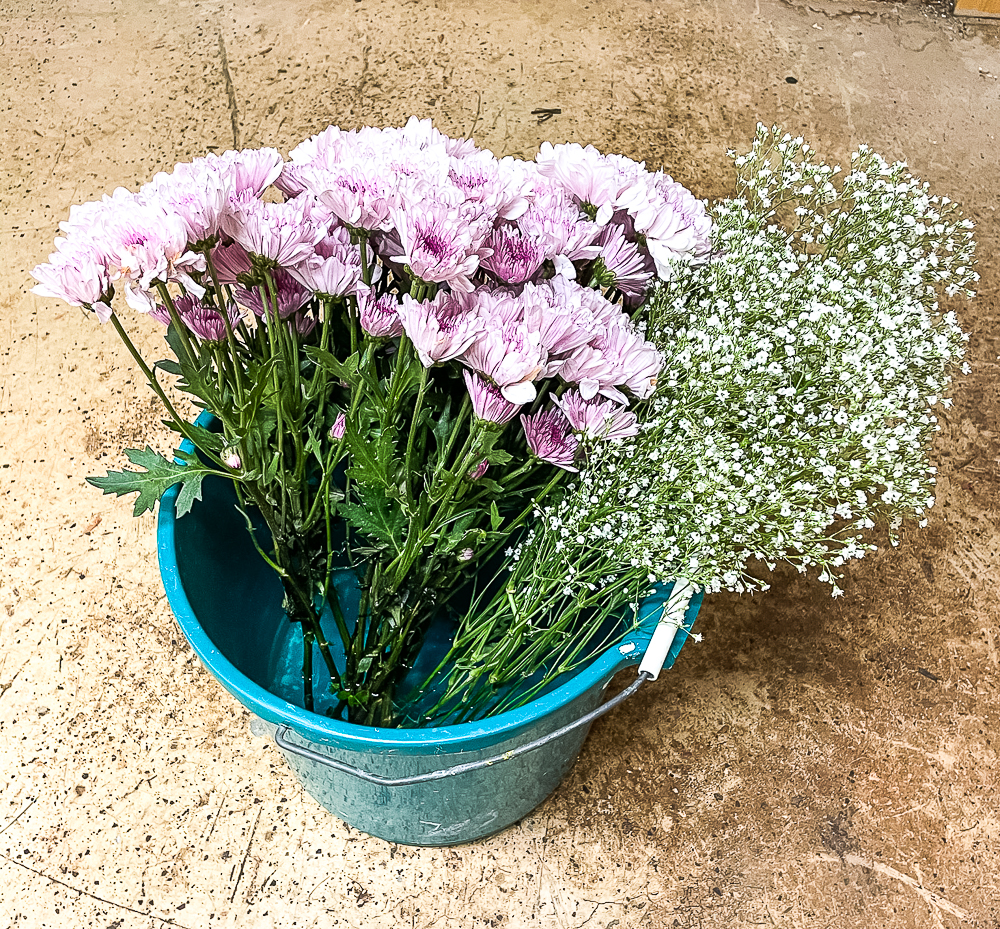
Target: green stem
[456, 424]
[182, 425]
[181, 329]
[273, 323]
[408, 462]
[307, 669]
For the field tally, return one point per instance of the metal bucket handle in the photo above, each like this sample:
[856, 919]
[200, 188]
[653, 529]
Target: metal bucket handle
[281, 738]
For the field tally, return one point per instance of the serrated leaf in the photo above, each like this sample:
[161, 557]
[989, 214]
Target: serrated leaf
[195, 379]
[376, 517]
[189, 492]
[175, 343]
[364, 462]
[346, 370]
[259, 375]
[373, 458]
[205, 439]
[160, 474]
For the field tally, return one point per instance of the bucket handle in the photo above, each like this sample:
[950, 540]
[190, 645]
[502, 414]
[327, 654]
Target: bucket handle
[281, 738]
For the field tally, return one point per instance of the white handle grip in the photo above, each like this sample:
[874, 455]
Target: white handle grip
[666, 630]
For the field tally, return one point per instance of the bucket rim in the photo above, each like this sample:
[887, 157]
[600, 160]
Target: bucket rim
[458, 737]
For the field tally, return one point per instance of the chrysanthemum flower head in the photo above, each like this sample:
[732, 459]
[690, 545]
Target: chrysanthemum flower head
[488, 403]
[551, 438]
[441, 328]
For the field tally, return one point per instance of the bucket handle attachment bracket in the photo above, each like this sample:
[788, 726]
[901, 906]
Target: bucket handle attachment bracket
[282, 741]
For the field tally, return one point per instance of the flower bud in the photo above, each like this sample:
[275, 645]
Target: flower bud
[479, 470]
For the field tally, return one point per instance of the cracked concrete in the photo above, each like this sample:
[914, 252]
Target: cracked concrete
[812, 763]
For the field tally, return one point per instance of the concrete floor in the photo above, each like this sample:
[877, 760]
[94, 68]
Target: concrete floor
[812, 763]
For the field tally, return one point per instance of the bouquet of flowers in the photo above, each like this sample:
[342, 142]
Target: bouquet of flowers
[520, 394]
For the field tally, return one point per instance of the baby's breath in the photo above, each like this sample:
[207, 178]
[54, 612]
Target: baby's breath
[804, 360]
[794, 411]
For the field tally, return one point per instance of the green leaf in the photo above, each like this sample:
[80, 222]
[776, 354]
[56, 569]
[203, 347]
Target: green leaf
[373, 456]
[351, 699]
[160, 473]
[497, 456]
[175, 343]
[489, 486]
[259, 376]
[346, 370]
[189, 492]
[364, 462]
[271, 469]
[441, 424]
[171, 367]
[314, 445]
[376, 517]
[496, 520]
[196, 375]
[206, 440]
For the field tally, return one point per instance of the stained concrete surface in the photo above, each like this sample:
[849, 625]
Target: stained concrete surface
[812, 763]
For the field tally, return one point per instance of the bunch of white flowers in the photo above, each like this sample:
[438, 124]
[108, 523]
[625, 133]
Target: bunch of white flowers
[803, 363]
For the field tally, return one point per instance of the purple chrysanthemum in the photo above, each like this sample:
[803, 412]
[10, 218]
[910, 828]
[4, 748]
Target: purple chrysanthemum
[359, 195]
[441, 243]
[334, 275]
[230, 261]
[556, 223]
[563, 314]
[253, 169]
[597, 419]
[516, 257]
[442, 328]
[673, 222]
[488, 403]
[302, 323]
[76, 275]
[379, 316]
[290, 296]
[510, 354]
[550, 437]
[203, 320]
[198, 198]
[619, 357]
[283, 233]
[622, 264]
[599, 181]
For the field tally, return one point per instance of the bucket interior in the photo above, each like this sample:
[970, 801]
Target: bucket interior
[237, 600]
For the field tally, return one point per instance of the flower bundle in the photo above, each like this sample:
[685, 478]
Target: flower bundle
[520, 393]
[406, 343]
[794, 409]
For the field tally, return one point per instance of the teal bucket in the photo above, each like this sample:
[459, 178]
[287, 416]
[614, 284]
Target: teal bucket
[431, 786]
